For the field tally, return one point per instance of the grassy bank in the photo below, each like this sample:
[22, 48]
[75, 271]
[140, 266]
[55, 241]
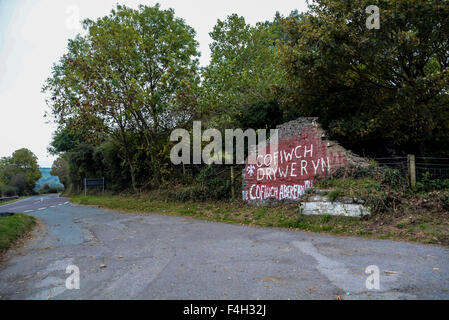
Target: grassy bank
[12, 201]
[419, 226]
[14, 227]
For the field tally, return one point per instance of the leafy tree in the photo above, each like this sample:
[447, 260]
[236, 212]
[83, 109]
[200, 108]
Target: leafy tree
[4, 176]
[20, 170]
[64, 140]
[134, 71]
[8, 191]
[60, 168]
[379, 91]
[82, 164]
[19, 181]
[242, 73]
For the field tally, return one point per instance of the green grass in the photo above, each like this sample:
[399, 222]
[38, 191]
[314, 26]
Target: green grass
[14, 227]
[349, 187]
[334, 194]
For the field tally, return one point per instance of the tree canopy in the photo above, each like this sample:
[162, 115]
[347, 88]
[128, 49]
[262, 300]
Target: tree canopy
[239, 82]
[378, 91]
[20, 171]
[134, 73]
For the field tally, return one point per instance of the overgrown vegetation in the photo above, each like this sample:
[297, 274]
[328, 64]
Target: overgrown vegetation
[395, 208]
[381, 188]
[123, 86]
[211, 183]
[13, 228]
[427, 184]
[386, 190]
[19, 173]
[47, 180]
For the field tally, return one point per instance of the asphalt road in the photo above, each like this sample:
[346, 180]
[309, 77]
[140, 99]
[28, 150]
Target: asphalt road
[151, 256]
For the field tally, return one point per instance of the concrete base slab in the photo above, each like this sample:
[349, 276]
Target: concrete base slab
[334, 209]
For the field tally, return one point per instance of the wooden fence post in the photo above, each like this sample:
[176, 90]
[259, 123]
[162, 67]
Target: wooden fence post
[411, 163]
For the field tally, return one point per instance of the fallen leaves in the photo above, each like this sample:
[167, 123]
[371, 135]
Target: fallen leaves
[270, 279]
[389, 273]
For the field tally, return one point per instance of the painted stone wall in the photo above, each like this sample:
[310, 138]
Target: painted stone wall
[303, 153]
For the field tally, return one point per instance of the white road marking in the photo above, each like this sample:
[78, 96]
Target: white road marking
[66, 202]
[52, 206]
[41, 209]
[28, 211]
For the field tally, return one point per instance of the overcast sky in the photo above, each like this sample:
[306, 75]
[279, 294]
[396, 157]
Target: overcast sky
[34, 34]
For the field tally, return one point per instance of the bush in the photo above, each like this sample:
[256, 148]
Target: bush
[53, 190]
[381, 188]
[215, 185]
[8, 191]
[393, 179]
[333, 195]
[427, 184]
[50, 190]
[210, 184]
[19, 181]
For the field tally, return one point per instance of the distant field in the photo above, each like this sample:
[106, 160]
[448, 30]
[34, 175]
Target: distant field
[47, 178]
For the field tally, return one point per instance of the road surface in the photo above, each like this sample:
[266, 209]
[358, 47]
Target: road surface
[151, 256]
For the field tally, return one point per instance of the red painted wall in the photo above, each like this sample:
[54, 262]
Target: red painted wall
[299, 160]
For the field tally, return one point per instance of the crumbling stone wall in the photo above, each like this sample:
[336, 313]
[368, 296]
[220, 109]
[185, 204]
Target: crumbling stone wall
[303, 153]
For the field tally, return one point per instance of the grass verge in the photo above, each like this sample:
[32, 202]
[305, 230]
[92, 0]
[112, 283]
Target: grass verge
[11, 201]
[13, 228]
[421, 226]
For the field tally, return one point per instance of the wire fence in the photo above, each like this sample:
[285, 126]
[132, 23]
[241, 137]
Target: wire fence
[420, 168]
[434, 168]
[425, 167]
[398, 163]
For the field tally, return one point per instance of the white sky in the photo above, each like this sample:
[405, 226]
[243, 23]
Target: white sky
[34, 34]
